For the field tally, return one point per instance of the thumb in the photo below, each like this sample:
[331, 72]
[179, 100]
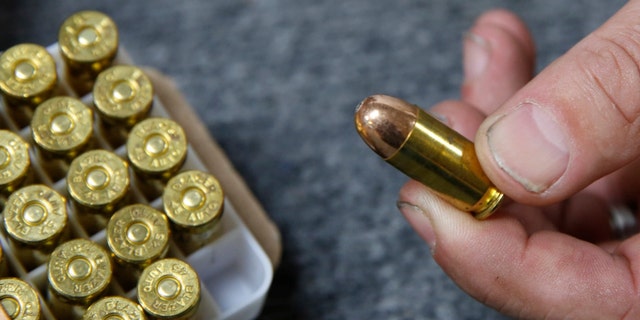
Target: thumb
[572, 124]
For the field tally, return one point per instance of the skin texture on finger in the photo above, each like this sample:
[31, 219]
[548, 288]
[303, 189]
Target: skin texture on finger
[499, 58]
[524, 271]
[572, 124]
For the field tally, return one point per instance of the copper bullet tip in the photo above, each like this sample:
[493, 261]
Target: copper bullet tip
[385, 122]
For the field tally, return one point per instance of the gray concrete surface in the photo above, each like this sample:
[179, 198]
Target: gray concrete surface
[276, 82]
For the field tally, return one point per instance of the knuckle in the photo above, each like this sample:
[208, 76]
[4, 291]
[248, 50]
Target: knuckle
[607, 74]
[611, 66]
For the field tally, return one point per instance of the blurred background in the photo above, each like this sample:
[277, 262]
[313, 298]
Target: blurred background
[276, 83]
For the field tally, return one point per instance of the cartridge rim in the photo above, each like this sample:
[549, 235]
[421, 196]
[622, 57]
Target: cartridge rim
[193, 198]
[114, 307]
[27, 73]
[35, 215]
[14, 158]
[157, 146]
[123, 94]
[98, 178]
[62, 125]
[88, 37]
[79, 270]
[138, 234]
[169, 288]
[19, 299]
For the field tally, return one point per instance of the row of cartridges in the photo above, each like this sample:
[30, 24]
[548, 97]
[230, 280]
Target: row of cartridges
[63, 180]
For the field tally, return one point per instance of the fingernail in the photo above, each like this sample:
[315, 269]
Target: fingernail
[420, 221]
[476, 54]
[530, 146]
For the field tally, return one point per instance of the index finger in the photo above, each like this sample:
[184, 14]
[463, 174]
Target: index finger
[499, 58]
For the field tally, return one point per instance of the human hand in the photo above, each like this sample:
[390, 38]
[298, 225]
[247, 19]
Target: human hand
[564, 147]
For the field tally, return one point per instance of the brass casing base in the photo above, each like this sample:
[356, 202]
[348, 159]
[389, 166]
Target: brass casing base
[446, 162]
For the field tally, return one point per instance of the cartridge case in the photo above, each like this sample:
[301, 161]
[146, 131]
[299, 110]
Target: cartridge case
[157, 147]
[194, 202]
[123, 95]
[428, 151]
[61, 128]
[19, 299]
[451, 169]
[98, 183]
[88, 42]
[114, 308]
[137, 235]
[27, 75]
[79, 272]
[35, 218]
[169, 289]
[15, 161]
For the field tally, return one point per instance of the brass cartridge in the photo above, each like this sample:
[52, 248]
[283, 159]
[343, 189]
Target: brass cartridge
[98, 184]
[79, 272]
[35, 218]
[137, 235]
[428, 151]
[19, 299]
[27, 75]
[157, 147]
[123, 95]
[62, 126]
[169, 289]
[114, 308]
[98, 179]
[194, 202]
[88, 42]
[14, 161]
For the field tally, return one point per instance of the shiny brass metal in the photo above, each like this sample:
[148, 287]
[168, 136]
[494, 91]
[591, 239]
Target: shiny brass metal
[98, 179]
[138, 234]
[194, 202]
[114, 308]
[14, 160]
[88, 42]
[157, 147]
[79, 272]
[35, 218]
[19, 299]
[98, 184]
[169, 289]
[27, 74]
[62, 126]
[123, 95]
[428, 151]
